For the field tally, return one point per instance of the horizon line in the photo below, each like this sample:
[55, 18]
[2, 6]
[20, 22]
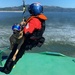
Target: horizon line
[42, 5]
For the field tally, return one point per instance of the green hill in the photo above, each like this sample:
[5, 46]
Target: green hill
[46, 8]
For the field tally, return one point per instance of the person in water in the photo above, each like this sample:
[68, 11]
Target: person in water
[26, 35]
[17, 36]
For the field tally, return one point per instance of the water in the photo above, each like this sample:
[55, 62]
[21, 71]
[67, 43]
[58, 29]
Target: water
[61, 27]
[59, 33]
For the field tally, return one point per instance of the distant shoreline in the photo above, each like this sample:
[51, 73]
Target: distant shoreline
[11, 11]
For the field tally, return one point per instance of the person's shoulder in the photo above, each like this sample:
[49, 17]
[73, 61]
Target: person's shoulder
[42, 17]
[35, 19]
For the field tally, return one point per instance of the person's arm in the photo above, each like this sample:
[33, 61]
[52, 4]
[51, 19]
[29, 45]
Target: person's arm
[17, 50]
[12, 40]
[14, 57]
[11, 43]
[20, 34]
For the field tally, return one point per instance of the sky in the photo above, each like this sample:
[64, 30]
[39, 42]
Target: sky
[61, 3]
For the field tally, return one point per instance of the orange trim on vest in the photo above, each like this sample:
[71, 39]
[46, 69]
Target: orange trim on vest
[41, 16]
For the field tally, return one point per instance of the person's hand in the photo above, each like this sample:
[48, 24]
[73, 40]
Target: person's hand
[23, 22]
[14, 58]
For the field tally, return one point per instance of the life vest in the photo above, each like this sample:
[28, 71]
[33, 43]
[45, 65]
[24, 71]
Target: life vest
[42, 18]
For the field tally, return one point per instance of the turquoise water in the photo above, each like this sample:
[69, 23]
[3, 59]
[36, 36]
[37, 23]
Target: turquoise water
[59, 33]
